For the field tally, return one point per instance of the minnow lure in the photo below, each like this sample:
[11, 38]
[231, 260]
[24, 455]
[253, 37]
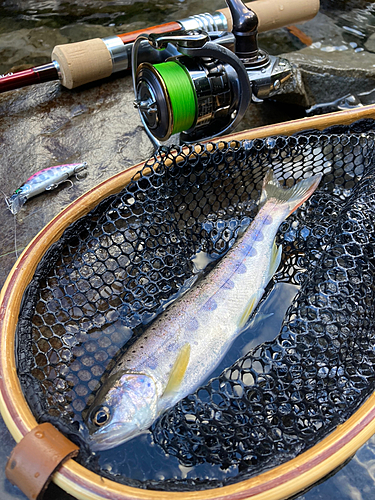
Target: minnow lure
[44, 180]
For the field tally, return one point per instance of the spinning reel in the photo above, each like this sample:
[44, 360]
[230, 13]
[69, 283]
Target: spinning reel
[203, 82]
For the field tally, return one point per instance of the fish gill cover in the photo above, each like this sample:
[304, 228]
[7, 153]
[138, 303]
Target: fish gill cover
[115, 269]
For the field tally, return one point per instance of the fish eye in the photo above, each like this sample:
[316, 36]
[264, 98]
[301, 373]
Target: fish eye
[101, 416]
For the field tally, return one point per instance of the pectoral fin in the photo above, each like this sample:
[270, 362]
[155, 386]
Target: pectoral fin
[179, 369]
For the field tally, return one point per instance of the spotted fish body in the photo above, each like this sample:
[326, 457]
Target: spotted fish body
[44, 180]
[185, 344]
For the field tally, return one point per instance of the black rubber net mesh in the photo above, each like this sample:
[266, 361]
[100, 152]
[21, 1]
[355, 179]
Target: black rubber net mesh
[114, 270]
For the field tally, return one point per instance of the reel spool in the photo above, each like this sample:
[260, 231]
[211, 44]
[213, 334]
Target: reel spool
[204, 94]
[205, 84]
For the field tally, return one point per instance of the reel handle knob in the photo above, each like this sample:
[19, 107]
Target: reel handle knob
[245, 31]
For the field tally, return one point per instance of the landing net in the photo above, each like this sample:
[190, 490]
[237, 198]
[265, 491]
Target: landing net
[114, 270]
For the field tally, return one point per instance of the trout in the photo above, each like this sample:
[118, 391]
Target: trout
[180, 349]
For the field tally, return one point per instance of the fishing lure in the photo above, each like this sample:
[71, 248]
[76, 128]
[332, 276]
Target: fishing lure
[44, 180]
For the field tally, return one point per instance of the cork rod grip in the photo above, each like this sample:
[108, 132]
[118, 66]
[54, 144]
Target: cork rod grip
[273, 14]
[83, 62]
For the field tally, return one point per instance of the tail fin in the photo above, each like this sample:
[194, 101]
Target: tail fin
[293, 196]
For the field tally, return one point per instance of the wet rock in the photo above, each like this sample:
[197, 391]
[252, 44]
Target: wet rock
[323, 76]
[32, 47]
[341, 5]
[330, 68]
[79, 32]
[370, 43]
[47, 125]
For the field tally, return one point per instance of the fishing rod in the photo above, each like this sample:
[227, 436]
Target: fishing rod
[83, 62]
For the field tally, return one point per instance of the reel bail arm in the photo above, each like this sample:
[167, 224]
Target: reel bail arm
[245, 31]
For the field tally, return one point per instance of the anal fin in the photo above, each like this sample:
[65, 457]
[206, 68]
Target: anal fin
[275, 259]
[250, 306]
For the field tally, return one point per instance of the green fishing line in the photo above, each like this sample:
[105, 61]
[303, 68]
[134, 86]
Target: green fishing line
[181, 93]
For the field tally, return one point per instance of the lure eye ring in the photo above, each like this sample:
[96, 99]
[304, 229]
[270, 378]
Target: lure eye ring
[101, 416]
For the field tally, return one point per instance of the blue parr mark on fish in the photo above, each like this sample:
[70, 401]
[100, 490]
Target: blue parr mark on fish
[241, 268]
[210, 305]
[152, 363]
[192, 325]
[248, 252]
[259, 236]
[267, 220]
[228, 285]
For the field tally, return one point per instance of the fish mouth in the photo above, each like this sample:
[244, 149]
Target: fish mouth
[105, 441]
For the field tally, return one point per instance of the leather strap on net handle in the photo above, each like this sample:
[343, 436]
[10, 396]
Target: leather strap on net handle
[36, 457]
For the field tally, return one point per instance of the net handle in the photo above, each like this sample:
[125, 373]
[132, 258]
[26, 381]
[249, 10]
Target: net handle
[36, 457]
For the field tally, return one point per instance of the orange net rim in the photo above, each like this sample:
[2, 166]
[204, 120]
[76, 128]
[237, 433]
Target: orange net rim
[279, 483]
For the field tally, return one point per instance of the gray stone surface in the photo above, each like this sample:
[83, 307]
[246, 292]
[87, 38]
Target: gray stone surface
[331, 67]
[370, 43]
[326, 75]
[47, 125]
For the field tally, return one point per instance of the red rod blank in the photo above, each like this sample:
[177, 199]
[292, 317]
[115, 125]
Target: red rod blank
[39, 74]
